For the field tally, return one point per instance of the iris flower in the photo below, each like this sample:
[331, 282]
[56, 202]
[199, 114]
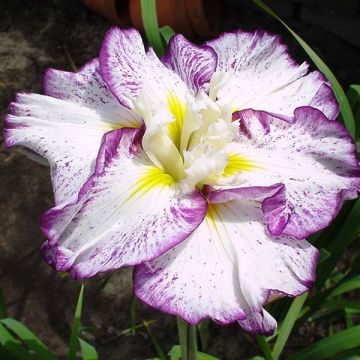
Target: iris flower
[204, 170]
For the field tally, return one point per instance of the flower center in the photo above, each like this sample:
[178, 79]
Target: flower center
[191, 139]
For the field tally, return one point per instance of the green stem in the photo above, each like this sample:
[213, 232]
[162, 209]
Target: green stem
[188, 340]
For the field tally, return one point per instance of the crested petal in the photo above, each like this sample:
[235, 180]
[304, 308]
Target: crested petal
[194, 64]
[128, 212]
[255, 71]
[313, 158]
[233, 266]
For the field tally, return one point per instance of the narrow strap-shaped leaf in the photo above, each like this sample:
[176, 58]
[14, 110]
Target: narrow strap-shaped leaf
[4, 355]
[160, 352]
[287, 325]
[13, 347]
[3, 313]
[264, 347]
[175, 354]
[167, 33]
[346, 112]
[88, 352]
[203, 329]
[151, 26]
[341, 304]
[348, 231]
[346, 286]
[133, 307]
[330, 346]
[75, 328]
[29, 338]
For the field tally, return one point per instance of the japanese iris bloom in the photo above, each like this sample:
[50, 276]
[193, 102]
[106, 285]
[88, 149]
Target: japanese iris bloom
[205, 170]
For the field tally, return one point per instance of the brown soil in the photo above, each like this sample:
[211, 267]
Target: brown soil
[62, 34]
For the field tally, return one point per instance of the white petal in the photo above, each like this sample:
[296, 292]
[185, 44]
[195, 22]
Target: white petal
[262, 76]
[128, 212]
[227, 270]
[313, 157]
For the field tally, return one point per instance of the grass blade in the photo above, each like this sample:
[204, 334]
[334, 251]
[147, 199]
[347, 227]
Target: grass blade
[167, 33]
[3, 312]
[12, 346]
[264, 347]
[331, 346]
[133, 307]
[288, 324]
[349, 230]
[75, 328]
[346, 286]
[346, 112]
[88, 352]
[151, 26]
[203, 329]
[154, 341]
[29, 338]
[175, 354]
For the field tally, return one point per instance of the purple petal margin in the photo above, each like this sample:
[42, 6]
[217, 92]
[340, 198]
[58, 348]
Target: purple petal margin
[55, 220]
[194, 64]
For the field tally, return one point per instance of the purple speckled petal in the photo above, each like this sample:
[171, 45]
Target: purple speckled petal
[263, 76]
[86, 87]
[233, 266]
[125, 213]
[259, 193]
[65, 130]
[129, 70]
[312, 157]
[122, 61]
[194, 64]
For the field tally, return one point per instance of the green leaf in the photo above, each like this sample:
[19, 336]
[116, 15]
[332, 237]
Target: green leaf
[341, 304]
[287, 325]
[13, 346]
[353, 95]
[167, 33]
[264, 347]
[75, 328]
[133, 315]
[347, 232]
[203, 330]
[188, 340]
[175, 354]
[4, 355]
[88, 352]
[346, 112]
[29, 339]
[3, 313]
[324, 254]
[330, 346]
[346, 286]
[160, 352]
[151, 26]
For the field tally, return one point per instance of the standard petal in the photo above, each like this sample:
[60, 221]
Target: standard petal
[261, 75]
[129, 70]
[194, 64]
[315, 160]
[227, 269]
[128, 212]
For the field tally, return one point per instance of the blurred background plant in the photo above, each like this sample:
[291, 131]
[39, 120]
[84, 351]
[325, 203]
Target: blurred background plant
[332, 306]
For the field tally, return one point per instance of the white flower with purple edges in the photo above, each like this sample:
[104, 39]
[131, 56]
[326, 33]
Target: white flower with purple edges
[205, 170]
